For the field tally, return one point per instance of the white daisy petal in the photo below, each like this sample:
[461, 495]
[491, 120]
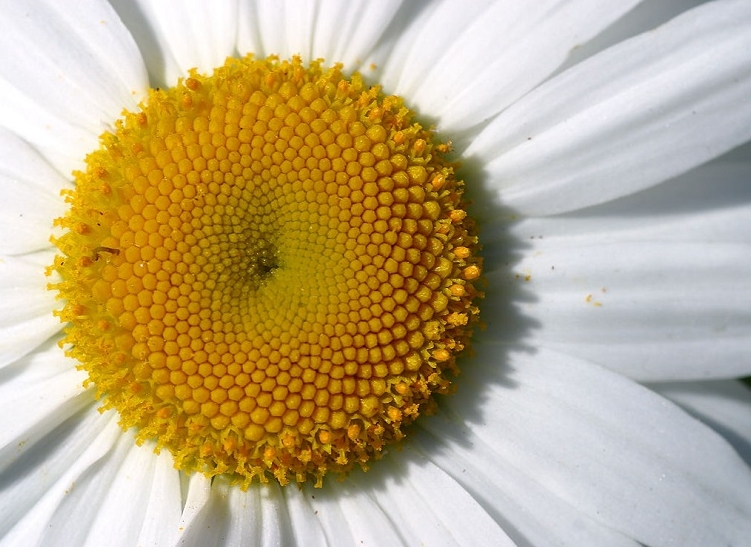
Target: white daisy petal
[336, 31]
[119, 486]
[210, 526]
[274, 518]
[630, 117]
[44, 130]
[258, 517]
[123, 501]
[304, 521]
[643, 18]
[709, 204]
[616, 289]
[608, 447]
[65, 72]
[525, 508]
[413, 502]
[635, 307]
[162, 507]
[262, 28]
[350, 515]
[26, 306]
[233, 517]
[158, 58]
[37, 393]
[435, 509]
[197, 497]
[42, 490]
[465, 62]
[422, 40]
[334, 519]
[31, 196]
[347, 36]
[174, 39]
[725, 406]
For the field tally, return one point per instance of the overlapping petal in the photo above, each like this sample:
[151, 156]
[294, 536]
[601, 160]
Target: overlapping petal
[419, 501]
[462, 62]
[220, 514]
[31, 196]
[25, 305]
[635, 308]
[612, 450]
[66, 72]
[613, 286]
[639, 113]
[37, 393]
[723, 405]
[339, 32]
[522, 505]
[223, 515]
[60, 467]
[87, 462]
[174, 39]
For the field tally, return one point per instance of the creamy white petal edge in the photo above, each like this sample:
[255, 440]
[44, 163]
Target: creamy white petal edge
[26, 320]
[343, 32]
[656, 286]
[643, 18]
[569, 453]
[59, 456]
[443, 63]
[172, 39]
[30, 196]
[224, 515]
[37, 393]
[66, 71]
[723, 405]
[630, 117]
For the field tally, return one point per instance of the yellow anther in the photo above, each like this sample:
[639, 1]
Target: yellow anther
[471, 272]
[462, 252]
[438, 181]
[457, 215]
[457, 290]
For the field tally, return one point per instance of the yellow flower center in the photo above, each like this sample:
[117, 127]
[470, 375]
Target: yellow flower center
[267, 270]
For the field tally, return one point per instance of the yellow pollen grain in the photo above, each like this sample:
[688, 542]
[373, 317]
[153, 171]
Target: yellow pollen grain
[268, 271]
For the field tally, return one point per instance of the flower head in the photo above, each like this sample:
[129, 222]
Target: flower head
[598, 406]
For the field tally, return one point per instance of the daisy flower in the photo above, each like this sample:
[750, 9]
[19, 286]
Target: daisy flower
[604, 149]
